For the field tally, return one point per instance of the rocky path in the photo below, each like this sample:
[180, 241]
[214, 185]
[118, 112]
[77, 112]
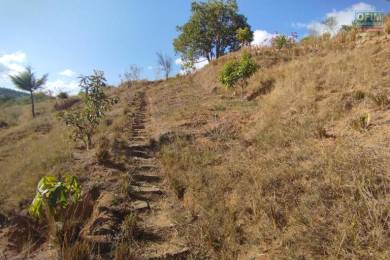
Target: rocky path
[157, 232]
[131, 218]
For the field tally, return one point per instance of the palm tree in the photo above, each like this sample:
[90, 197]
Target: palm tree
[27, 81]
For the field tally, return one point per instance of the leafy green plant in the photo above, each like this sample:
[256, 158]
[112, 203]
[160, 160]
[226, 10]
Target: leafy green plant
[238, 72]
[54, 194]
[280, 41]
[96, 104]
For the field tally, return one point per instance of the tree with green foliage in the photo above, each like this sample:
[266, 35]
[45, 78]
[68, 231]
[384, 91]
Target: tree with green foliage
[237, 72]
[96, 104]
[211, 31]
[27, 81]
[245, 36]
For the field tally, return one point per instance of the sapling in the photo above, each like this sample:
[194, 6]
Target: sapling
[238, 72]
[96, 104]
[52, 197]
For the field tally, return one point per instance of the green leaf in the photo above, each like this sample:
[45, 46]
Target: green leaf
[35, 209]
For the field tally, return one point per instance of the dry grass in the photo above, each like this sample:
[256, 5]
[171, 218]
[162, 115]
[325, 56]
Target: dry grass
[77, 251]
[64, 104]
[102, 153]
[29, 150]
[290, 178]
[387, 24]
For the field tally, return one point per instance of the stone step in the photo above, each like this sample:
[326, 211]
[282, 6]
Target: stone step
[141, 154]
[146, 178]
[147, 168]
[140, 206]
[149, 189]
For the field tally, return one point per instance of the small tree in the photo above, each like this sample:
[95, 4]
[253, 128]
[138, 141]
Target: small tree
[238, 72]
[52, 197]
[96, 103]
[280, 41]
[165, 63]
[27, 81]
[245, 36]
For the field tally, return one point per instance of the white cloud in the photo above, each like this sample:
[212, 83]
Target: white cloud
[262, 38]
[197, 65]
[71, 87]
[68, 73]
[17, 57]
[343, 17]
[11, 64]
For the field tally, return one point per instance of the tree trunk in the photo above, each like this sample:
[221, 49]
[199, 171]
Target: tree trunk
[32, 103]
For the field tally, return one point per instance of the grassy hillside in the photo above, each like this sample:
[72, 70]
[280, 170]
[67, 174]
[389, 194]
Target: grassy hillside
[294, 173]
[297, 168]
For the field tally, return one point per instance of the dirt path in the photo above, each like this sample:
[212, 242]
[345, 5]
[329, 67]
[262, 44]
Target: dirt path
[158, 232]
[146, 209]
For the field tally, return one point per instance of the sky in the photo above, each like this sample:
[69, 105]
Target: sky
[73, 37]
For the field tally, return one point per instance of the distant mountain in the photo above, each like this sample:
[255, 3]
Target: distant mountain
[6, 93]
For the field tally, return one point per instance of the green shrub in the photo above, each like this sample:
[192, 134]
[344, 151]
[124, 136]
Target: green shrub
[62, 95]
[280, 41]
[238, 72]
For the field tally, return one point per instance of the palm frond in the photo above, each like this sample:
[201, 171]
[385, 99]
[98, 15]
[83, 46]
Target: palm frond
[40, 82]
[27, 81]
[22, 81]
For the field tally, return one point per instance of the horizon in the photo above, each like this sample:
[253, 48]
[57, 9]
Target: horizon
[68, 39]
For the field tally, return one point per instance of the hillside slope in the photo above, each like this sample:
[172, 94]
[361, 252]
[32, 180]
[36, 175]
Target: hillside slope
[5, 92]
[297, 172]
[296, 168]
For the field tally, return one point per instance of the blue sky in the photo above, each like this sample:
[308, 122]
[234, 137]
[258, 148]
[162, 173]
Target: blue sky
[72, 37]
